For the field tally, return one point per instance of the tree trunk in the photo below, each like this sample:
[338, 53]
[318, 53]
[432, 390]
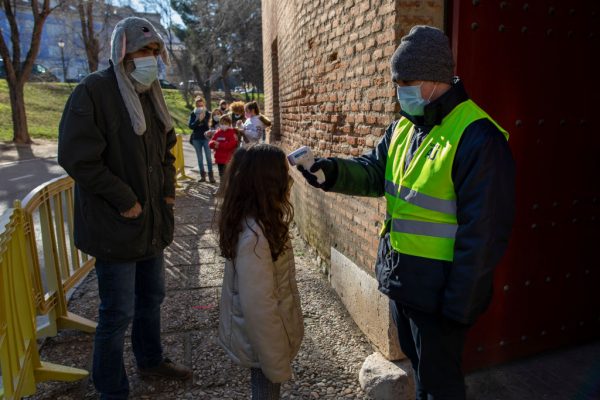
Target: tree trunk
[92, 56]
[207, 94]
[17, 102]
[226, 88]
[246, 93]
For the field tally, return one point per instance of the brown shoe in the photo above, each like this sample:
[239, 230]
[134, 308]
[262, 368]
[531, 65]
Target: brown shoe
[167, 369]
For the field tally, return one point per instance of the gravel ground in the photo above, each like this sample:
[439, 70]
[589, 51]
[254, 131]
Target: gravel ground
[328, 363]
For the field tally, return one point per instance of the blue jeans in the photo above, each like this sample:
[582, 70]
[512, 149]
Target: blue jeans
[129, 291]
[200, 145]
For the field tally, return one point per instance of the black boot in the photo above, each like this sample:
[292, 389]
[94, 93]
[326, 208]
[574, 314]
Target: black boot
[202, 177]
[211, 177]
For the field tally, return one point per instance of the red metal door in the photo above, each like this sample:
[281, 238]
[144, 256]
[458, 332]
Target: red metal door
[530, 64]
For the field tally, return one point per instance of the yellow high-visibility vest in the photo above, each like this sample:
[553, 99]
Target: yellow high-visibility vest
[421, 200]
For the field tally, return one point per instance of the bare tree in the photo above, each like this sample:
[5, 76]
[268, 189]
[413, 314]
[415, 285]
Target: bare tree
[17, 72]
[88, 34]
[204, 22]
[178, 52]
[238, 42]
[221, 35]
[250, 65]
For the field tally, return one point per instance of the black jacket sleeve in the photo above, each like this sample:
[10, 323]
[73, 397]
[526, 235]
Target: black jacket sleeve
[484, 180]
[193, 121]
[364, 175]
[80, 147]
[168, 165]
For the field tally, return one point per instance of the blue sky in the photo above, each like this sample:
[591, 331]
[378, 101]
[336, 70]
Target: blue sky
[143, 6]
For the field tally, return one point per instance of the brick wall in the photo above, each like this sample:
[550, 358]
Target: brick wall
[327, 85]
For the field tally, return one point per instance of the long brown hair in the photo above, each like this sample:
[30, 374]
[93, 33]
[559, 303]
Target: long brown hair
[256, 185]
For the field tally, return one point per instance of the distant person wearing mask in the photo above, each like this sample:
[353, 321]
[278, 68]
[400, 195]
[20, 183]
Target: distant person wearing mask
[199, 123]
[224, 106]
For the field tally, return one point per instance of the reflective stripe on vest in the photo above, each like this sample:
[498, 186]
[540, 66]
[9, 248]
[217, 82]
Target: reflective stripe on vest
[421, 201]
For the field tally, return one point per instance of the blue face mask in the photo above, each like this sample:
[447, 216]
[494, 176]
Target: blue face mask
[146, 70]
[410, 99]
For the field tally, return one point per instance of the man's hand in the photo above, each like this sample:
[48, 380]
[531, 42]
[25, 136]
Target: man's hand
[216, 145]
[170, 201]
[133, 212]
[329, 168]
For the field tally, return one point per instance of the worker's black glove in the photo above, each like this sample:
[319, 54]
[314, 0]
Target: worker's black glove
[329, 168]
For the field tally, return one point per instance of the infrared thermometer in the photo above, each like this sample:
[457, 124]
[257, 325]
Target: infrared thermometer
[304, 156]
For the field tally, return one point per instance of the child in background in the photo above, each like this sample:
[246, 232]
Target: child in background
[217, 114]
[223, 143]
[255, 125]
[214, 122]
[236, 112]
[260, 321]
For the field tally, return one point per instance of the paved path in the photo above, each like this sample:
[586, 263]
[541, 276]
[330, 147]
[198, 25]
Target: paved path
[23, 168]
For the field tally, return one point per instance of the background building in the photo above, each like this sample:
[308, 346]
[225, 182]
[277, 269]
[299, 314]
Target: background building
[64, 24]
[327, 85]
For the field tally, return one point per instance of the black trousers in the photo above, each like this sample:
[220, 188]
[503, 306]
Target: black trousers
[221, 168]
[434, 345]
[262, 387]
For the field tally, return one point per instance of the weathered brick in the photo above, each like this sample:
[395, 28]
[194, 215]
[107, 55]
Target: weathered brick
[327, 85]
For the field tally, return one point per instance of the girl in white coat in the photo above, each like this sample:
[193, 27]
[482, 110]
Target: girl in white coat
[260, 324]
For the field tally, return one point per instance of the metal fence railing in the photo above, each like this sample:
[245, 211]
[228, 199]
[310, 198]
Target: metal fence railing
[20, 363]
[56, 265]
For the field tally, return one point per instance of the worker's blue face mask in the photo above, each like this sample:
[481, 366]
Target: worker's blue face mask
[146, 70]
[410, 99]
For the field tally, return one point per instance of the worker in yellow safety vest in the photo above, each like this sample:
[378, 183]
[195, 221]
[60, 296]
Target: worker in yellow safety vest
[447, 174]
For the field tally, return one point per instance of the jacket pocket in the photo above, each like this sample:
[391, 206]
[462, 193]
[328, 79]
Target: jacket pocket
[115, 236]
[168, 216]
[418, 282]
[411, 280]
[383, 267]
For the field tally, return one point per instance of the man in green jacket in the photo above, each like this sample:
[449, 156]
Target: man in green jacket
[447, 174]
[115, 138]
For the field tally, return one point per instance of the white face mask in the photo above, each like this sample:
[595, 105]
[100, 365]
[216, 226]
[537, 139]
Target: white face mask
[224, 127]
[146, 70]
[216, 118]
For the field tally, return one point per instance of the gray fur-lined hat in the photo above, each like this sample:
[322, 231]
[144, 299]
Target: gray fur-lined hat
[133, 33]
[423, 55]
[130, 35]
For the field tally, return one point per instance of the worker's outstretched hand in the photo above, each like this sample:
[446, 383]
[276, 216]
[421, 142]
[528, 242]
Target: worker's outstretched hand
[329, 168]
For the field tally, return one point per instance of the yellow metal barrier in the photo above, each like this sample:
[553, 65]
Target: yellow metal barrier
[56, 264]
[177, 151]
[20, 363]
[39, 264]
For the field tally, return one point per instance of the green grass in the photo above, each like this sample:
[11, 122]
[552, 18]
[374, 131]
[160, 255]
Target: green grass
[44, 104]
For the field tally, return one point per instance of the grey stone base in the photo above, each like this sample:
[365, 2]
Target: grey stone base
[386, 380]
[368, 307]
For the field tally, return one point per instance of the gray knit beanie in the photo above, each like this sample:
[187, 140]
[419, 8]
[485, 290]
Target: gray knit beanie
[423, 55]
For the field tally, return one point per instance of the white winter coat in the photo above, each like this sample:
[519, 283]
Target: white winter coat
[260, 324]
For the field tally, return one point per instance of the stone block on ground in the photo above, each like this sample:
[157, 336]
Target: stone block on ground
[386, 380]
